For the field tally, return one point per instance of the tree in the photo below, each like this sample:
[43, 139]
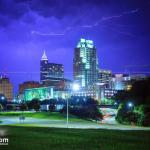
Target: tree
[1, 107]
[139, 115]
[3, 100]
[121, 96]
[11, 107]
[52, 107]
[23, 107]
[34, 104]
[140, 91]
[140, 97]
[87, 109]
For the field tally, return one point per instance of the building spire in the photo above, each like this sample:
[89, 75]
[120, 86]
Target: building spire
[44, 57]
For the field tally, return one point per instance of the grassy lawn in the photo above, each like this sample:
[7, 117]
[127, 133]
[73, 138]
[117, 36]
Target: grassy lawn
[36, 138]
[42, 115]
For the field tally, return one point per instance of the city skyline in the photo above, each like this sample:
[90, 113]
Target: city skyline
[120, 31]
[75, 74]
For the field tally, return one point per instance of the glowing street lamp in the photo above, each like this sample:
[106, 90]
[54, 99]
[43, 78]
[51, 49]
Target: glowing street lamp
[130, 104]
[76, 87]
[2, 98]
[115, 103]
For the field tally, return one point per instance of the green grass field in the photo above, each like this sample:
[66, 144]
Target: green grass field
[36, 138]
[42, 115]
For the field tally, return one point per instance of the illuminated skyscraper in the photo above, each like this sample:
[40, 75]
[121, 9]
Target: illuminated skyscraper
[43, 68]
[50, 72]
[85, 63]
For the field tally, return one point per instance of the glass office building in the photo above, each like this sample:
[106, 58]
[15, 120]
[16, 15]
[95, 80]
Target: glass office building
[85, 63]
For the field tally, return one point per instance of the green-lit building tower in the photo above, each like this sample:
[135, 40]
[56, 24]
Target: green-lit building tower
[85, 63]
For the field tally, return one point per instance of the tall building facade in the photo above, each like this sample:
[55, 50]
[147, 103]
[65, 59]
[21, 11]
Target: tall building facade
[85, 63]
[105, 78]
[6, 88]
[50, 71]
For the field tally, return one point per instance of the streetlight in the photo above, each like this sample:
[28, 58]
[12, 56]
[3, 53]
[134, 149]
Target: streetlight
[67, 113]
[115, 103]
[130, 104]
[2, 98]
[75, 87]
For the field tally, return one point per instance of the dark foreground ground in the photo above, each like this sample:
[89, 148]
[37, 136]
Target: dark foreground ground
[38, 138]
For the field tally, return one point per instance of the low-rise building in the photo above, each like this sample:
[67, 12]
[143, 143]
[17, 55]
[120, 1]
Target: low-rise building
[6, 88]
[28, 85]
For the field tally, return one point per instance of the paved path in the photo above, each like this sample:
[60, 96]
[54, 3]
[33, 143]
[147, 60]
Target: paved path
[62, 124]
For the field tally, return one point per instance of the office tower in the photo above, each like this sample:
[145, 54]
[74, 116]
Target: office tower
[105, 78]
[50, 71]
[52, 74]
[55, 70]
[43, 68]
[6, 88]
[85, 63]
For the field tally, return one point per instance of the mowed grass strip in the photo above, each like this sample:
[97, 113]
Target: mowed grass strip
[38, 138]
[42, 115]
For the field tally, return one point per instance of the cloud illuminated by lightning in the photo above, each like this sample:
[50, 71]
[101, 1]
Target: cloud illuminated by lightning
[103, 19]
[110, 18]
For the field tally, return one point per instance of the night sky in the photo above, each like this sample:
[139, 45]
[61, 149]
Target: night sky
[120, 30]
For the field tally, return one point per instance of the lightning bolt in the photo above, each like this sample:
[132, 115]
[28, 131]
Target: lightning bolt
[110, 18]
[103, 19]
